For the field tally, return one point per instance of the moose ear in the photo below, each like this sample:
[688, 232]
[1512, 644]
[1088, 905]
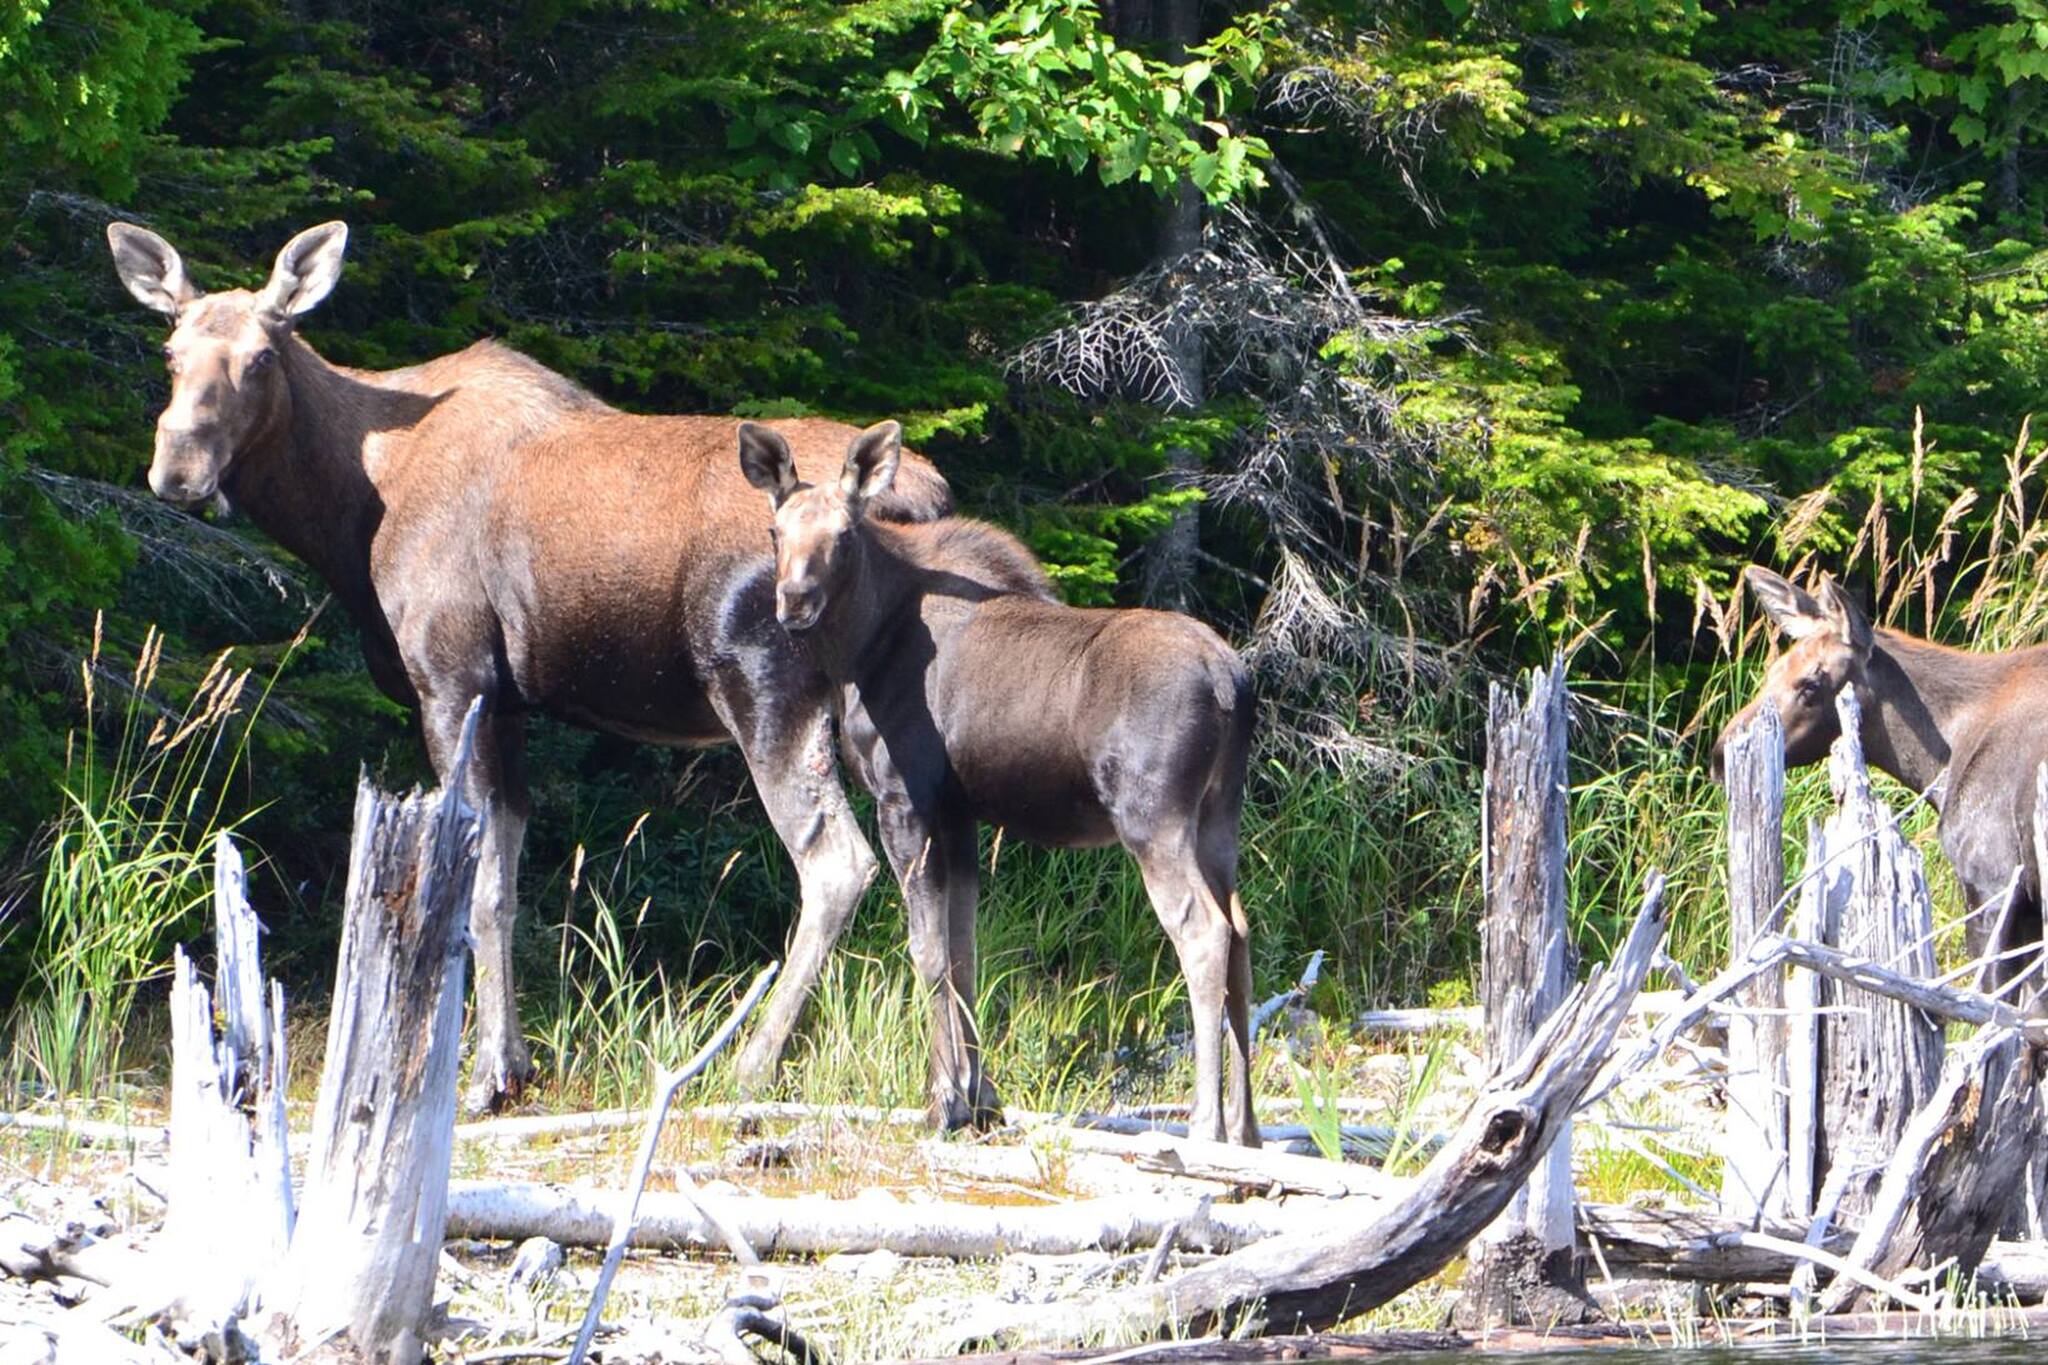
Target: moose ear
[766, 461]
[871, 460]
[150, 267]
[1791, 609]
[1845, 618]
[306, 270]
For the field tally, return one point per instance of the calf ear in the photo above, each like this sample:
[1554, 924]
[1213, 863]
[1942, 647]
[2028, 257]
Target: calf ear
[766, 461]
[1845, 618]
[150, 267]
[1790, 608]
[871, 460]
[306, 270]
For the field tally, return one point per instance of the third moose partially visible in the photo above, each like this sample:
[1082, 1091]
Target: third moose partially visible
[1968, 730]
[968, 694]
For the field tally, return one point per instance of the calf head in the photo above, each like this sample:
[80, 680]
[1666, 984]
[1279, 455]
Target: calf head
[228, 391]
[1830, 649]
[814, 525]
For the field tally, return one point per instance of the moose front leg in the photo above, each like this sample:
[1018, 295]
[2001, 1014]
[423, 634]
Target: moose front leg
[788, 748]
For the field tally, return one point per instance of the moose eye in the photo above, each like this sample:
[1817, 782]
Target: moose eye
[1809, 688]
[261, 359]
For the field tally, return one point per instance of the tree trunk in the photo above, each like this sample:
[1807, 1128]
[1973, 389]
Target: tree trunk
[1524, 1269]
[1316, 1278]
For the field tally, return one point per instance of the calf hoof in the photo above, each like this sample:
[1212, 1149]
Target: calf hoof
[951, 1111]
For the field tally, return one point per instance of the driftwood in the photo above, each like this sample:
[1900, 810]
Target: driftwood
[1274, 1172]
[1754, 1134]
[666, 1084]
[242, 1271]
[813, 1224]
[1319, 1277]
[1522, 1268]
[228, 1135]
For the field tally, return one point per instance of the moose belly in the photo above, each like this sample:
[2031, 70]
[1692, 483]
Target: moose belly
[1027, 802]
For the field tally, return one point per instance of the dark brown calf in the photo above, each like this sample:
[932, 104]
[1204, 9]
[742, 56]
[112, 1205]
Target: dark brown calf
[496, 531]
[1968, 731]
[967, 693]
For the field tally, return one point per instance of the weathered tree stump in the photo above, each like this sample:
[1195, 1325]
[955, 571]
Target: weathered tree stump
[351, 1271]
[1960, 1164]
[1523, 1270]
[1755, 1177]
[1880, 1061]
[368, 1241]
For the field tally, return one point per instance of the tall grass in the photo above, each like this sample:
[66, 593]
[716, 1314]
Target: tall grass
[127, 860]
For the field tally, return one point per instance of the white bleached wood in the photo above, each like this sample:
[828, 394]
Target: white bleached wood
[368, 1242]
[1526, 1255]
[666, 1084]
[1754, 1129]
[1802, 1041]
[814, 1225]
[1315, 1277]
[1880, 1064]
[228, 1146]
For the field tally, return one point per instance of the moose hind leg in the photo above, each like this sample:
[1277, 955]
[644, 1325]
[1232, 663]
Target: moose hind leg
[798, 782]
[929, 857]
[1219, 879]
[496, 787]
[1202, 939]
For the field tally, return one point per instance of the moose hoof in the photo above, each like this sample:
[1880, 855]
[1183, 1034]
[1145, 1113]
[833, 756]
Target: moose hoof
[495, 1086]
[951, 1111]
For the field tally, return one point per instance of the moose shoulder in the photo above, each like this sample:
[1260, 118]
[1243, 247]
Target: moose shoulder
[498, 532]
[969, 695]
[1967, 730]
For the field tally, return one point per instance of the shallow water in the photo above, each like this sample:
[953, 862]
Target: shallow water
[1848, 1351]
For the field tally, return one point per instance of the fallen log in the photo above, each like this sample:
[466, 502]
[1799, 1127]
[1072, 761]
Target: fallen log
[814, 1225]
[1350, 1265]
[1275, 1172]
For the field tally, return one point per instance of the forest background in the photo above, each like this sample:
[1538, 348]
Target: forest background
[1405, 342]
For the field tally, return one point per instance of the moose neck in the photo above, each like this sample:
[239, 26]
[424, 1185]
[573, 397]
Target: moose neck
[305, 480]
[874, 589]
[1919, 696]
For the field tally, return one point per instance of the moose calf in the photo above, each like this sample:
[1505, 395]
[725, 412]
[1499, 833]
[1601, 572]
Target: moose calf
[967, 693]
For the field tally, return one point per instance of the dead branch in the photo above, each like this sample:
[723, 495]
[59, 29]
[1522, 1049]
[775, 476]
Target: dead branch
[1316, 1278]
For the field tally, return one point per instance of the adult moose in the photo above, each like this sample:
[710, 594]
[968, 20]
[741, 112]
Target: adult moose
[498, 532]
[1928, 710]
[967, 693]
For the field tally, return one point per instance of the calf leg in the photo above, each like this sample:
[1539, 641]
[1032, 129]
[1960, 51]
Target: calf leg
[963, 892]
[496, 787]
[1202, 937]
[1219, 879]
[927, 857]
[788, 748]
